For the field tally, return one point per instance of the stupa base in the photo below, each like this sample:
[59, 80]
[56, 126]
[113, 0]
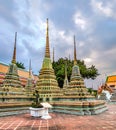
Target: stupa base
[80, 108]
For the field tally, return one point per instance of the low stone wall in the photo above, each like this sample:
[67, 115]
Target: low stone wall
[80, 108]
[7, 109]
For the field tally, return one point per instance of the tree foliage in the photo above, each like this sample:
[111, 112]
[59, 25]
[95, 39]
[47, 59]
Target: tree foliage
[20, 65]
[93, 92]
[59, 68]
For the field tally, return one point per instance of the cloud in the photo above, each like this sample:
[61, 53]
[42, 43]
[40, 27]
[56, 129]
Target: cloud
[104, 8]
[87, 60]
[80, 21]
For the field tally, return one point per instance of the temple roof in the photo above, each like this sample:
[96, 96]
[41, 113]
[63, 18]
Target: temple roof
[21, 72]
[111, 78]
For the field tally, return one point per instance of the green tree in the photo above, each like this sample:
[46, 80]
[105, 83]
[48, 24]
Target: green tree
[93, 92]
[20, 65]
[59, 68]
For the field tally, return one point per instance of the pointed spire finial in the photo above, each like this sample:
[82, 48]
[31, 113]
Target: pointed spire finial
[14, 52]
[75, 59]
[47, 52]
[53, 54]
[30, 68]
[66, 78]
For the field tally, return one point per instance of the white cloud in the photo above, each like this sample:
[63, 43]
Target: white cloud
[32, 24]
[106, 9]
[60, 35]
[81, 43]
[91, 59]
[103, 60]
[80, 20]
[87, 60]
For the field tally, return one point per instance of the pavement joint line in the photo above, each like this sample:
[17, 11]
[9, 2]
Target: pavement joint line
[55, 125]
[47, 125]
[18, 125]
[33, 124]
[10, 125]
[26, 122]
[40, 124]
[4, 124]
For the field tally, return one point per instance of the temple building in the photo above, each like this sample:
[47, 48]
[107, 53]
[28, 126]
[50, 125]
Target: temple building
[111, 81]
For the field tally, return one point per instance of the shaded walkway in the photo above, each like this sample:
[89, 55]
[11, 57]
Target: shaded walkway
[104, 121]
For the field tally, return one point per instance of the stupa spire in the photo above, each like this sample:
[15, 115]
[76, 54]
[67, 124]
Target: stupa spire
[14, 52]
[47, 52]
[75, 59]
[30, 68]
[53, 54]
[66, 84]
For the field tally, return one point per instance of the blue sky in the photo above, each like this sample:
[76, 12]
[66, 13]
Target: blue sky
[93, 22]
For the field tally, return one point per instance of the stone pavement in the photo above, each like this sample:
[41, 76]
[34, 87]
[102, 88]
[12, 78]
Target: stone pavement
[104, 121]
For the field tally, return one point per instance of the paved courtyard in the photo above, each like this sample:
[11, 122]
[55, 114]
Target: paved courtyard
[104, 121]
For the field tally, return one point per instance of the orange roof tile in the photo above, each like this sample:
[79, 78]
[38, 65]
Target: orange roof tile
[22, 73]
[3, 68]
[111, 78]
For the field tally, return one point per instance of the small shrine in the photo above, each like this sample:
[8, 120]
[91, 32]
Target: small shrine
[66, 83]
[29, 88]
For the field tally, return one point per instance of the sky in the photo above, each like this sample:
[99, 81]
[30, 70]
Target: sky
[93, 22]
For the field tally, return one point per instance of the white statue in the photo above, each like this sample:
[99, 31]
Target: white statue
[108, 95]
